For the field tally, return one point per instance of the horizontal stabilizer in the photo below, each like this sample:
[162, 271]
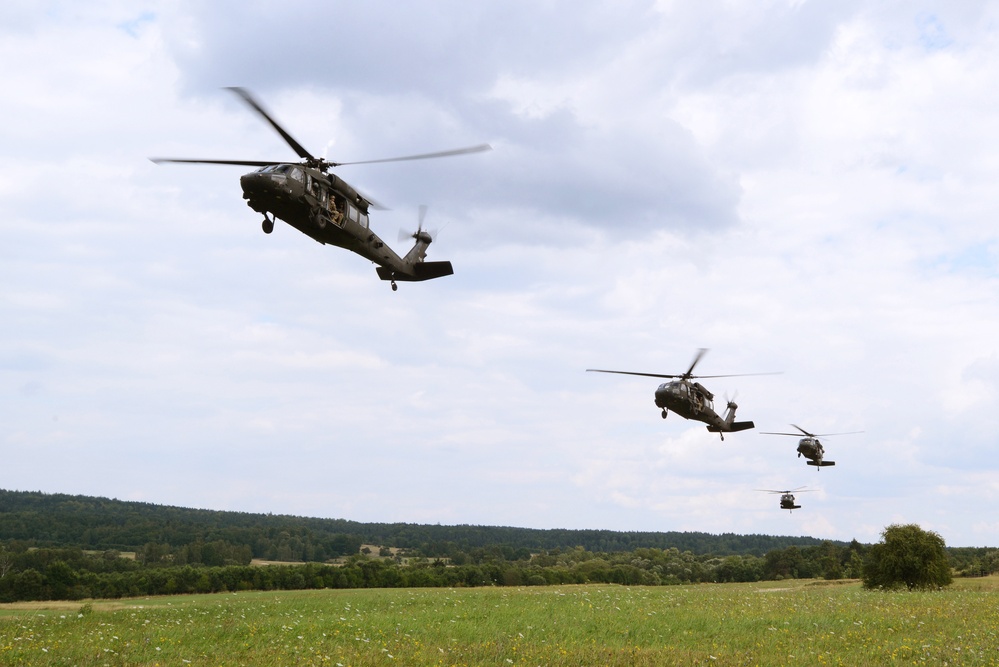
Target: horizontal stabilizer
[421, 271]
[821, 464]
[734, 426]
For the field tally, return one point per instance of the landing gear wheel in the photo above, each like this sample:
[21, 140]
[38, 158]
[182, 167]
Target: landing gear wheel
[664, 413]
[267, 225]
[394, 286]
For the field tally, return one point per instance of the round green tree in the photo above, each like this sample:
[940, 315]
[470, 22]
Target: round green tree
[907, 556]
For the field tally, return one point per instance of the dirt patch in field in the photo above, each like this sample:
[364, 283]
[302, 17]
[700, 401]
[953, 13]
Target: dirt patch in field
[66, 606]
[834, 582]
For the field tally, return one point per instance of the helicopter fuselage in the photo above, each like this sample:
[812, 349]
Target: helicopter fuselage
[691, 400]
[688, 399]
[330, 211]
[787, 502]
[812, 449]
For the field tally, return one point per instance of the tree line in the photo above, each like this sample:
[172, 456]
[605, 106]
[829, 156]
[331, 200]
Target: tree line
[28, 573]
[53, 520]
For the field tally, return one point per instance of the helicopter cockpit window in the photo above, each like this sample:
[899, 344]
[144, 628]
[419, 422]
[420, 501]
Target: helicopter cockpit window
[296, 174]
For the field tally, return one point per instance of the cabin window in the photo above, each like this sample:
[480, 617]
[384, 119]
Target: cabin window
[364, 220]
[352, 213]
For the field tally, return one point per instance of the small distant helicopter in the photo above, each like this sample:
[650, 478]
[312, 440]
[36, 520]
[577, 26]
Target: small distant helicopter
[691, 400]
[787, 497]
[326, 208]
[810, 446]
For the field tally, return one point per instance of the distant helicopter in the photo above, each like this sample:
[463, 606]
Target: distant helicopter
[321, 205]
[691, 400]
[810, 446]
[787, 497]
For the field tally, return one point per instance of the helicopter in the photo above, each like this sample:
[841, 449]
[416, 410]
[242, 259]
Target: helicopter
[787, 497]
[691, 400]
[810, 446]
[323, 206]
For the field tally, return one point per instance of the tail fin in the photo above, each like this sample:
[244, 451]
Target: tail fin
[418, 252]
[741, 426]
[732, 427]
[421, 271]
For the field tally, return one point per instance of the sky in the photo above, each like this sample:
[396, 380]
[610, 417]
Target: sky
[800, 187]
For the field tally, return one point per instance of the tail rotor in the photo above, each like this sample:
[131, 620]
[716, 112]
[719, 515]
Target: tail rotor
[421, 234]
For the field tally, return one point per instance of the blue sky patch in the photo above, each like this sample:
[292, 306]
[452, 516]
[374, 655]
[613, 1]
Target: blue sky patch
[135, 25]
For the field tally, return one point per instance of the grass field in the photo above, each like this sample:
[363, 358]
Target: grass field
[769, 623]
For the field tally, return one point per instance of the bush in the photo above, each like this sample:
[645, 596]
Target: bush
[907, 556]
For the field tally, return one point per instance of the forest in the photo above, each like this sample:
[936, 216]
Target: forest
[91, 523]
[56, 546]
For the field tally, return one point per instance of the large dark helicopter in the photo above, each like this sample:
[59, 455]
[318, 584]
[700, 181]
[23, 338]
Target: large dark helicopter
[691, 400]
[323, 206]
[810, 447]
[787, 497]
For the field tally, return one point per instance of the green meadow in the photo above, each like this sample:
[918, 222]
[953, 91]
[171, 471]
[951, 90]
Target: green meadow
[767, 623]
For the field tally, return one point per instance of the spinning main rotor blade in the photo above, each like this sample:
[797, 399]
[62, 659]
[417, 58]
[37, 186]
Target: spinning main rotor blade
[685, 376]
[648, 375]
[800, 489]
[423, 156]
[810, 435]
[249, 99]
[697, 358]
[310, 160]
[247, 163]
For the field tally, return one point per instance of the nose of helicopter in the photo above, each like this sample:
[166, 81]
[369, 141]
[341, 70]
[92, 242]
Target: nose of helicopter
[260, 190]
[260, 187]
[254, 182]
[661, 394]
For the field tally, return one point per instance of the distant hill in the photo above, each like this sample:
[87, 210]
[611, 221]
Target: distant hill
[94, 523]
